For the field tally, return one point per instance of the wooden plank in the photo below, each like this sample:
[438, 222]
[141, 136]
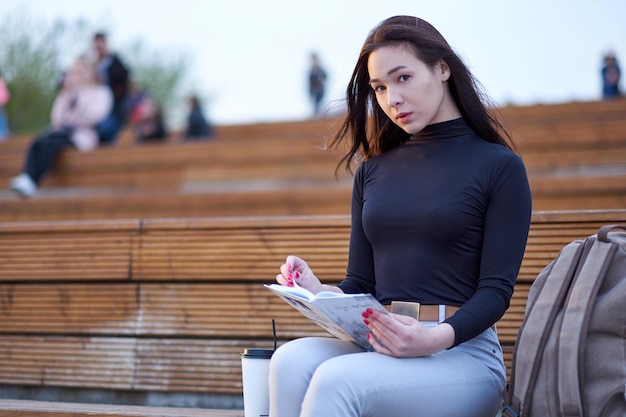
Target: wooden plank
[508, 326]
[173, 310]
[220, 310]
[561, 161]
[551, 113]
[251, 254]
[168, 164]
[51, 254]
[126, 363]
[507, 351]
[67, 361]
[582, 133]
[542, 219]
[96, 309]
[196, 249]
[27, 408]
[278, 196]
[250, 198]
[200, 310]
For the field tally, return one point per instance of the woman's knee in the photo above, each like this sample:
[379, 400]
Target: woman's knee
[303, 356]
[283, 358]
[291, 359]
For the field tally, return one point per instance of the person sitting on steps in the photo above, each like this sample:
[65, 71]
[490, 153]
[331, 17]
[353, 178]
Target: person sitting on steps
[82, 103]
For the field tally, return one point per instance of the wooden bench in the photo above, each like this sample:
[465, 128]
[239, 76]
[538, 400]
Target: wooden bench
[275, 198]
[26, 408]
[574, 110]
[575, 156]
[167, 305]
[248, 176]
[278, 197]
[171, 165]
[584, 141]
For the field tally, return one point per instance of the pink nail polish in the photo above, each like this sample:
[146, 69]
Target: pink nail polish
[297, 274]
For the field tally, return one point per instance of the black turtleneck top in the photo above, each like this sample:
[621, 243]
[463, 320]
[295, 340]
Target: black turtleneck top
[441, 219]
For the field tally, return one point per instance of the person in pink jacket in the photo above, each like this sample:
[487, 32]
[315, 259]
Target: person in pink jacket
[5, 94]
[80, 105]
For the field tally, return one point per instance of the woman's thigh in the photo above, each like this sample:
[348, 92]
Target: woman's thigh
[465, 381]
[294, 363]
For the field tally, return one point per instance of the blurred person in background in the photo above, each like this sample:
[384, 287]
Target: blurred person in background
[317, 84]
[611, 74]
[82, 103]
[198, 126]
[147, 121]
[113, 72]
[4, 99]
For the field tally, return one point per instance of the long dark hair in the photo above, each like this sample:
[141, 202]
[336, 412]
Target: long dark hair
[367, 128]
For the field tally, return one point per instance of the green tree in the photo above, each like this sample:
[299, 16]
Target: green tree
[30, 55]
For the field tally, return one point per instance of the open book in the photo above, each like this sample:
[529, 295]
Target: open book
[338, 314]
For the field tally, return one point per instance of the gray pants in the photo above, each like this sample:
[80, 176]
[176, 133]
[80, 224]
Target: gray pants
[326, 377]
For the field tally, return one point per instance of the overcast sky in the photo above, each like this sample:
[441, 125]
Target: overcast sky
[250, 56]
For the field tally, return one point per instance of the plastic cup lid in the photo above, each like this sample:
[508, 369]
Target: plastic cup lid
[258, 353]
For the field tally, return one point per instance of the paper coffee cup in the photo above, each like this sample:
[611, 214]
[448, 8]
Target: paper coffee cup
[255, 377]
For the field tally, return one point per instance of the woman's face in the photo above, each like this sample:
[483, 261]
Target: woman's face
[410, 93]
[81, 73]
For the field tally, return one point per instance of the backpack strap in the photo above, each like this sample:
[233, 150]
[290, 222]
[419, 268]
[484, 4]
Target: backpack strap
[532, 338]
[603, 233]
[576, 317]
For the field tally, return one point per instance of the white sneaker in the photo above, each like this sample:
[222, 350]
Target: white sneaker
[24, 185]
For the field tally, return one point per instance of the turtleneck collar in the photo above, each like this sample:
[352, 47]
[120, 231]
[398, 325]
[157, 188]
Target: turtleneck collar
[443, 130]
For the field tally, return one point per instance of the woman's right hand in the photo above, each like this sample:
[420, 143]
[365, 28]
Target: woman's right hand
[296, 270]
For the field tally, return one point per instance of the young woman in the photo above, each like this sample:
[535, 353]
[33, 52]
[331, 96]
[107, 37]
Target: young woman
[440, 216]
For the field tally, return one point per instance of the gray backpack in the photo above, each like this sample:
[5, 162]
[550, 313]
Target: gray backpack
[570, 356]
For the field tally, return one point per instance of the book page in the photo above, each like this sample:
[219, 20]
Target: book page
[296, 290]
[311, 311]
[339, 314]
[345, 314]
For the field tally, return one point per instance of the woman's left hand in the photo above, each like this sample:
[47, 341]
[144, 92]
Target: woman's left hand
[405, 337]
